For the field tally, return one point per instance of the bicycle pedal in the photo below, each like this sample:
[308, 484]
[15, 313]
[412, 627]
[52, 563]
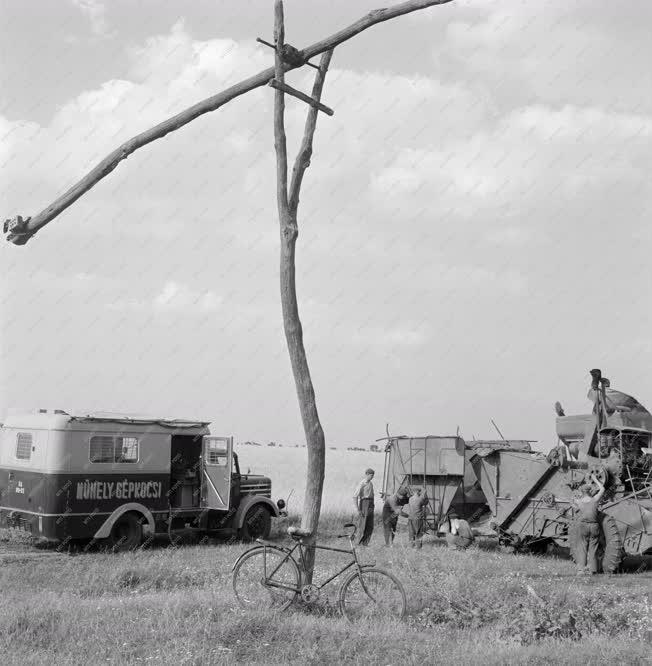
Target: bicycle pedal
[310, 593]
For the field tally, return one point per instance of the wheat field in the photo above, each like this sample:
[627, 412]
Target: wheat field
[286, 466]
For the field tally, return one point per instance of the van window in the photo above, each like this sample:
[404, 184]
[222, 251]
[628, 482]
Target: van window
[109, 449]
[126, 449]
[24, 445]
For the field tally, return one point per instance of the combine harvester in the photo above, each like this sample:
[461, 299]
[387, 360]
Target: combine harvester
[526, 498]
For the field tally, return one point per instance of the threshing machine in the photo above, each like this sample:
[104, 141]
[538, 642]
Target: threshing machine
[526, 498]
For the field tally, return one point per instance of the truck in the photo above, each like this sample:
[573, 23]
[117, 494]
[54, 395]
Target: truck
[118, 479]
[525, 498]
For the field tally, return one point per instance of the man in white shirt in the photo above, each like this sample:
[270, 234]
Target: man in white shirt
[363, 499]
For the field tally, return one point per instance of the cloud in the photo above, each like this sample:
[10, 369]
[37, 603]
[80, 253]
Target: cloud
[554, 53]
[510, 236]
[390, 336]
[95, 10]
[453, 217]
[175, 298]
[532, 157]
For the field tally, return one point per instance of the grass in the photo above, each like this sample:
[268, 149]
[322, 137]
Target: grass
[174, 604]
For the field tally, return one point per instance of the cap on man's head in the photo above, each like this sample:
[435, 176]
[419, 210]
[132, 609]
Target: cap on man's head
[452, 514]
[402, 492]
[369, 471]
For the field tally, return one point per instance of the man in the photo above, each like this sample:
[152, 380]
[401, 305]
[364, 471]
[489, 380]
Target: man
[416, 518]
[460, 535]
[391, 512]
[588, 529]
[363, 499]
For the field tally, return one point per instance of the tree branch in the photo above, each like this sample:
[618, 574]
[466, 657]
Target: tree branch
[302, 161]
[23, 232]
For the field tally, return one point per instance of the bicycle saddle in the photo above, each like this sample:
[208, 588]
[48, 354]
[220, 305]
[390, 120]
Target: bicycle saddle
[298, 533]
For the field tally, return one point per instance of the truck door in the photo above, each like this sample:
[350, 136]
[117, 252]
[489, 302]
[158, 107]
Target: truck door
[217, 455]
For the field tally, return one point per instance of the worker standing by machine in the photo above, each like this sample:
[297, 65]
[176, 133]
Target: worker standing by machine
[416, 517]
[588, 528]
[363, 499]
[391, 513]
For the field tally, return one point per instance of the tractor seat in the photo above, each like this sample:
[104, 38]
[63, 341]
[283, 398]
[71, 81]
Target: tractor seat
[298, 533]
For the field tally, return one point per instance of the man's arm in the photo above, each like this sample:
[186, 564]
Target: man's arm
[393, 505]
[356, 496]
[598, 496]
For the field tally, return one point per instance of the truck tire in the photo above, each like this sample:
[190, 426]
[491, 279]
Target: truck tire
[257, 523]
[126, 533]
[610, 548]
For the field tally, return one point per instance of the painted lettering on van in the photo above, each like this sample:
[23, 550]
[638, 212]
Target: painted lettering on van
[106, 490]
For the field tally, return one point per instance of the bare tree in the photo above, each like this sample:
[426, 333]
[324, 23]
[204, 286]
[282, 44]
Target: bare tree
[20, 230]
[288, 204]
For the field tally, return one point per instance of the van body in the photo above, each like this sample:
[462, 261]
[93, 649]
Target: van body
[70, 477]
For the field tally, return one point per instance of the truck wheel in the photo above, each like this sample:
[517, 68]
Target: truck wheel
[257, 523]
[126, 533]
[610, 548]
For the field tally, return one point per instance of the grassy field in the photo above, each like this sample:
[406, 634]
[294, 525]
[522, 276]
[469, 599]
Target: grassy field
[175, 605]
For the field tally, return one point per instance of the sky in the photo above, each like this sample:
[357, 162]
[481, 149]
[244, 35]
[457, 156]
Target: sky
[474, 226]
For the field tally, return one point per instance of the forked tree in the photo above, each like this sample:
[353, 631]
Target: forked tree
[287, 58]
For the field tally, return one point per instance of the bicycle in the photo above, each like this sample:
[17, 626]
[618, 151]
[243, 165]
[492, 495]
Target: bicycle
[268, 577]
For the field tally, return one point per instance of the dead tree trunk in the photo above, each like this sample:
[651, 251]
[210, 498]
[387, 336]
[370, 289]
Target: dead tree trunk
[288, 203]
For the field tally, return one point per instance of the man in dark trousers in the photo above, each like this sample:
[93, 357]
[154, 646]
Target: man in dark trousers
[363, 498]
[391, 513]
[588, 528]
[416, 518]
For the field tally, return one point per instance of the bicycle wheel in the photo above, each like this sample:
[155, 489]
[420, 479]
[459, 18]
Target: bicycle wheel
[372, 593]
[264, 580]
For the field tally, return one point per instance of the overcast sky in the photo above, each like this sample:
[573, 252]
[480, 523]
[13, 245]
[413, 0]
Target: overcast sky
[474, 227]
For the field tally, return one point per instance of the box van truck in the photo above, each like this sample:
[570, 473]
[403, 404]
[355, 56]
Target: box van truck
[118, 479]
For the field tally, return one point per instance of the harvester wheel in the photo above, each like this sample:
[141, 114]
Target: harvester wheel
[536, 546]
[610, 549]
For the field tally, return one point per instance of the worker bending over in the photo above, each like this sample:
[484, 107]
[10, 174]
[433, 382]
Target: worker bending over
[416, 517]
[391, 512]
[460, 535]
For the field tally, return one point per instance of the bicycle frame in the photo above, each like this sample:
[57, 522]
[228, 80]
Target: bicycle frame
[302, 568]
